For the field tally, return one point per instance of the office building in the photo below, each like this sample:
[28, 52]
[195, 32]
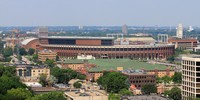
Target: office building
[32, 71]
[190, 76]
[139, 78]
[46, 54]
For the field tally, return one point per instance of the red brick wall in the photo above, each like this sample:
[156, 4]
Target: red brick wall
[32, 44]
[88, 42]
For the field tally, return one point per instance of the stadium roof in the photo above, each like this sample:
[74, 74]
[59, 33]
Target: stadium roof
[139, 39]
[77, 37]
[112, 64]
[26, 41]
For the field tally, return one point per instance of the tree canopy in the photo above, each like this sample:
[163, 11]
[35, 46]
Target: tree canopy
[64, 75]
[49, 96]
[177, 78]
[50, 62]
[7, 52]
[149, 88]
[8, 80]
[22, 51]
[174, 93]
[31, 51]
[113, 82]
[77, 84]
[18, 94]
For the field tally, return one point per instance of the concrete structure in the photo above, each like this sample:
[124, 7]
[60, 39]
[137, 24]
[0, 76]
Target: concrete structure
[46, 54]
[163, 38]
[139, 78]
[179, 31]
[183, 43]
[86, 95]
[33, 84]
[125, 29]
[190, 76]
[144, 97]
[102, 47]
[83, 57]
[196, 49]
[135, 41]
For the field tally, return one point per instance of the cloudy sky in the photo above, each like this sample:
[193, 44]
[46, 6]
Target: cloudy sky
[99, 12]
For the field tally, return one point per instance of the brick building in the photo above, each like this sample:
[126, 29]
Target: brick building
[183, 43]
[139, 78]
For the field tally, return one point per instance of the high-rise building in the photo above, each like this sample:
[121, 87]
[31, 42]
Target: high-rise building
[179, 31]
[42, 32]
[190, 77]
[125, 29]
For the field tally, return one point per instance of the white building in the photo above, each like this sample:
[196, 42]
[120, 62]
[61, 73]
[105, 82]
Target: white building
[179, 31]
[190, 77]
[163, 38]
[125, 29]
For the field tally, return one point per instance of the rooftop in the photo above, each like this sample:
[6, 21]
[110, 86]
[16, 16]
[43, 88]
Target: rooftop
[26, 41]
[112, 64]
[86, 93]
[69, 61]
[77, 37]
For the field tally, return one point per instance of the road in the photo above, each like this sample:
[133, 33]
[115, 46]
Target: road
[177, 68]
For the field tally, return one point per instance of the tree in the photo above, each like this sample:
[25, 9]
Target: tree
[49, 63]
[77, 84]
[7, 52]
[113, 82]
[31, 51]
[149, 88]
[35, 57]
[57, 58]
[175, 93]
[19, 57]
[159, 80]
[125, 92]
[166, 79]
[113, 96]
[64, 75]
[43, 79]
[22, 51]
[177, 78]
[9, 82]
[52, 80]
[49, 96]
[18, 94]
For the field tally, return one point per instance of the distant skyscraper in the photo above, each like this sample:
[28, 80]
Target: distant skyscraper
[190, 77]
[125, 29]
[179, 31]
[42, 32]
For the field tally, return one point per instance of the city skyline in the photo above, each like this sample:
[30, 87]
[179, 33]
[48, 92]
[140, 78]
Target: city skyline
[98, 13]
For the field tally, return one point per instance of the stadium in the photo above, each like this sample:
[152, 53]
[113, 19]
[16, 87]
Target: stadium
[102, 47]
